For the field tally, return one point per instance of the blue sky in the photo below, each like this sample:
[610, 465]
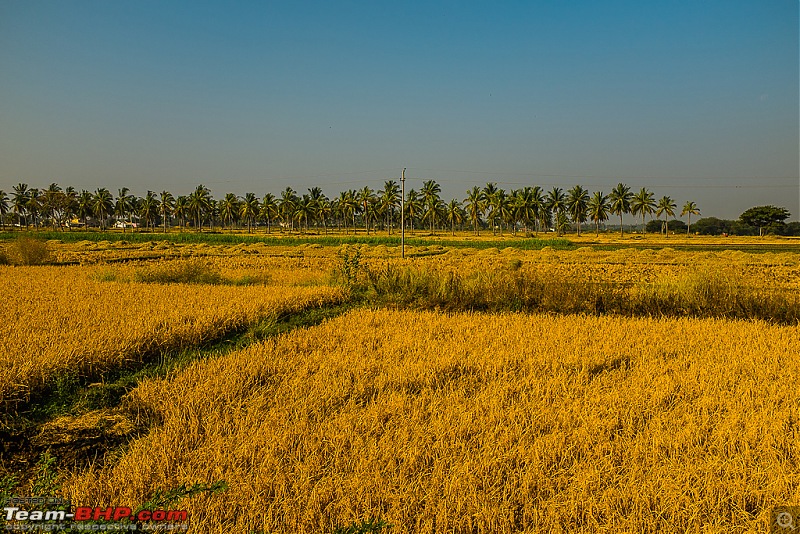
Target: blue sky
[697, 100]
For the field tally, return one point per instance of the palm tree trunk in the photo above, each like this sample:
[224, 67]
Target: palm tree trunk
[621, 228]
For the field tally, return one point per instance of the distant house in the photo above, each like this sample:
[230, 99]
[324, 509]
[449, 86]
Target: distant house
[126, 224]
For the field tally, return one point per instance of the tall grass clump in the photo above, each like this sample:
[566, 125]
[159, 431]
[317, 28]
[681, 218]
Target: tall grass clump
[28, 251]
[702, 293]
[184, 272]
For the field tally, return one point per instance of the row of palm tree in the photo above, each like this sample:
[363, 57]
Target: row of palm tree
[528, 208]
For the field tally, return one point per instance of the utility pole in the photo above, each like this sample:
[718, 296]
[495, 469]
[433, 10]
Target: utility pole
[403, 215]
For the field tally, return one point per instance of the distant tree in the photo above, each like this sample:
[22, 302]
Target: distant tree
[148, 209]
[19, 201]
[85, 206]
[248, 210]
[3, 208]
[123, 206]
[643, 204]
[475, 204]
[690, 208]
[598, 209]
[501, 208]
[167, 207]
[792, 228]
[432, 203]
[324, 211]
[390, 201]
[304, 208]
[556, 203]
[490, 204]
[413, 207]
[455, 215]
[527, 207]
[181, 209]
[577, 205]
[363, 197]
[102, 205]
[620, 202]
[764, 216]
[268, 210]
[666, 206]
[34, 205]
[229, 209]
[673, 225]
[55, 205]
[286, 206]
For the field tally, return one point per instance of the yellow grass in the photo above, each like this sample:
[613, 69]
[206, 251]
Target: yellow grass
[64, 319]
[476, 423]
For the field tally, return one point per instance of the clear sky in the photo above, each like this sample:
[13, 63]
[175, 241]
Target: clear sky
[695, 99]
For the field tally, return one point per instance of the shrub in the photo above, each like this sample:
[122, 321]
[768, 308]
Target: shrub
[186, 272]
[29, 251]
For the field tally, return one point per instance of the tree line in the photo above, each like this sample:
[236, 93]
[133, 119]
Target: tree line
[529, 209]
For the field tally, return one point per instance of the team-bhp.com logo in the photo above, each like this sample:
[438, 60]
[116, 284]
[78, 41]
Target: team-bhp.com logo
[23, 515]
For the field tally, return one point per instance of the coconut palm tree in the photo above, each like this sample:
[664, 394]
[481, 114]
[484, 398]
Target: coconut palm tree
[102, 205]
[19, 201]
[181, 209]
[667, 207]
[598, 209]
[430, 199]
[690, 208]
[364, 196]
[3, 208]
[54, 205]
[350, 206]
[620, 202]
[317, 197]
[342, 209]
[413, 207]
[148, 209]
[122, 206]
[268, 210]
[476, 204]
[390, 200]
[304, 208]
[577, 205]
[324, 211]
[167, 207]
[498, 208]
[200, 204]
[286, 206]
[490, 192]
[70, 203]
[643, 204]
[526, 208]
[455, 215]
[248, 209]
[513, 211]
[85, 206]
[229, 209]
[556, 202]
[34, 205]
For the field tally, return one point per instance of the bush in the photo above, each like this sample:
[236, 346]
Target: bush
[188, 272]
[29, 251]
